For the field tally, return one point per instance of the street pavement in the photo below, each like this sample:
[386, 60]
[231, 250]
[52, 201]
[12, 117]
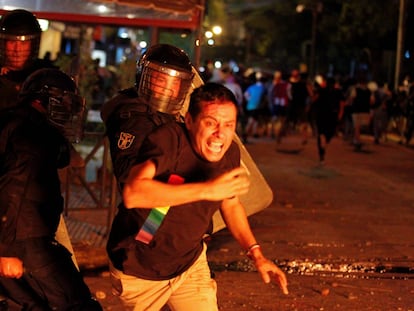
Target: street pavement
[343, 232]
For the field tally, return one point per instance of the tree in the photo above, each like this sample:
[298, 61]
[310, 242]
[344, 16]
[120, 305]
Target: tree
[347, 32]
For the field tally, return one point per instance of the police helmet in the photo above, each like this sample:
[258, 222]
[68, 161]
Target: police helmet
[19, 39]
[59, 96]
[164, 76]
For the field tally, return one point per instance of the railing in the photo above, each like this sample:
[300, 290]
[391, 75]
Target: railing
[103, 192]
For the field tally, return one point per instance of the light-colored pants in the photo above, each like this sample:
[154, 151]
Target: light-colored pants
[192, 290]
[361, 119]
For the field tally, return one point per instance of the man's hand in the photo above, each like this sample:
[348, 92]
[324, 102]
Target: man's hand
[228, 185]
[269, 270]
[11, 267]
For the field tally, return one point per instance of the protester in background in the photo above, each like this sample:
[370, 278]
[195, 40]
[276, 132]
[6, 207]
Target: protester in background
[398, 121]
[278, 101]
[361, 99]
[328, 105]
[300, 93]
[379, 111]
[185, 173]
[255, 96]
[345, 124]
[36, 271]
[409, 114]
[228, 80]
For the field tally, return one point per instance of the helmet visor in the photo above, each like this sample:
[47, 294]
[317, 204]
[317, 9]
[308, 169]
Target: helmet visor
[66, 111]
[17, 53]
[164, 88]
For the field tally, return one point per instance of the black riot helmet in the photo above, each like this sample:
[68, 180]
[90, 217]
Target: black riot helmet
[19, 39]
[59, 100]
[164, 78]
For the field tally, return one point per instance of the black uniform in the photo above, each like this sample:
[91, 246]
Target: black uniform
[31, 151]
[128, 121]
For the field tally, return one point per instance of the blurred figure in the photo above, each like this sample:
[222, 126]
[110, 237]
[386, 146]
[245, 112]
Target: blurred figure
[409, 113]
[278, 101]
[346, 124]
[299, 93]
[228, 80]
[254, 95]
[328, 108]
[398, 120]
[47, 59]
[379, 111]
[361, 100]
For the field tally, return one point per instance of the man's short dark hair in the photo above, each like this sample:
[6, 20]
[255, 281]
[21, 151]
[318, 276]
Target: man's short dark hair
[209, 92]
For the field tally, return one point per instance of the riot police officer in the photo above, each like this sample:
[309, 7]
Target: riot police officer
[36, 271]
[19, 49]
[163, 81]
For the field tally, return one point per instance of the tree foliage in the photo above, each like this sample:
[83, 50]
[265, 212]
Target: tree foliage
[363, 23]
[280, 36]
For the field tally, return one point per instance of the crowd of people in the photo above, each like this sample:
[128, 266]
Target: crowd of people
[321, 106]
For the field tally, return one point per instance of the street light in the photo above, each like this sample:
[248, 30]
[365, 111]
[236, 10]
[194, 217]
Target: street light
[217, 30]
[210, 39]
[315, 8]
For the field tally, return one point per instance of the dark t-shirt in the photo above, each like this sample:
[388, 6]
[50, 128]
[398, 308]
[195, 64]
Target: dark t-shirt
[326, 109]
[300, 94]
[328, 103]
[178, 241]
[362, 100]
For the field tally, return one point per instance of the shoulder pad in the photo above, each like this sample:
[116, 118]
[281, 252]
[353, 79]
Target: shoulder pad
[123, 106]
[116, 102]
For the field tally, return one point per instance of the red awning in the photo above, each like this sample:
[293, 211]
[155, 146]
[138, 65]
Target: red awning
[183, 14]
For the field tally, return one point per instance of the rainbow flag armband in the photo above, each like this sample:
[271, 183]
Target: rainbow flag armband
[156, 216]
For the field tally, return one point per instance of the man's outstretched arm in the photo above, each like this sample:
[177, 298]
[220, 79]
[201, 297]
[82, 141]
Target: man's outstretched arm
[143, 191]
[236, 220]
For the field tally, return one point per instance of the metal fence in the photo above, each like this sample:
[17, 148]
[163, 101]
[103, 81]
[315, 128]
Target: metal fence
[98, 194]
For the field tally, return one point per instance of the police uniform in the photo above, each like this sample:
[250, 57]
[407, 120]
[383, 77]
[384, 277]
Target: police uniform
[128, 120]
[31, 151]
